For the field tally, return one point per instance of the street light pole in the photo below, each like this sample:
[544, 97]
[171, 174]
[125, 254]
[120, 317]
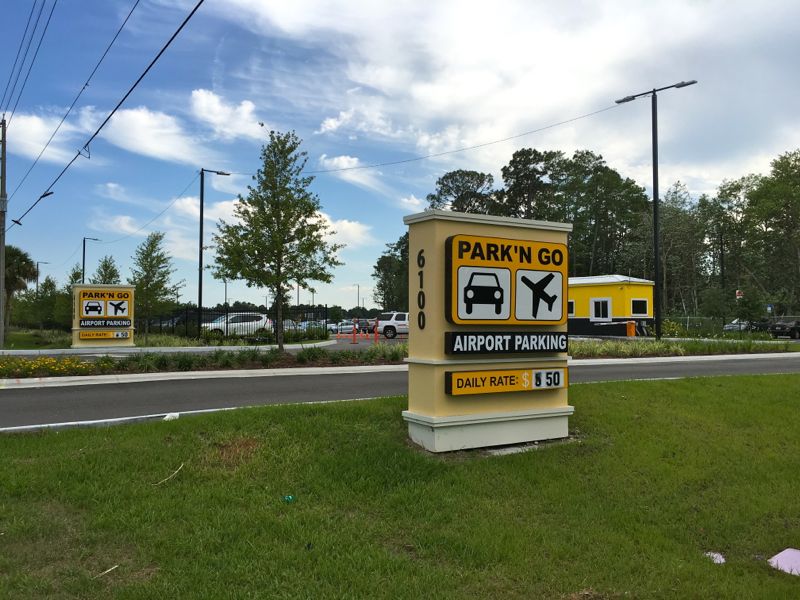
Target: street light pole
[200, 265]
[657, 292]
[83, 263]
[39, 262]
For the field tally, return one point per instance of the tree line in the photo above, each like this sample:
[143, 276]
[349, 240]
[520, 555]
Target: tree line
[50, 305]
[746, 236]
[276, 239]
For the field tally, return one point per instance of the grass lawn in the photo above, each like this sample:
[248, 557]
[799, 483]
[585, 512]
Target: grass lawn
[656, 474]
[33, 339]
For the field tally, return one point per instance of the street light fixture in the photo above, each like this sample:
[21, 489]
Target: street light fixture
[39, 262]
[656, 249]
[83, 263]
[200, 265]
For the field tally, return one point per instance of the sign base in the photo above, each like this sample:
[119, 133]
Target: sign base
[462, 432]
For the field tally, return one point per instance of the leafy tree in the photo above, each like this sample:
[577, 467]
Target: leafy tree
[107, 272]
[391, 275]
[773, 214]
[278, 237]
[74, 276]
[751, 306]
[151, 275]
[335, 313]
[463, 191]
[532, 180]
[20, 271]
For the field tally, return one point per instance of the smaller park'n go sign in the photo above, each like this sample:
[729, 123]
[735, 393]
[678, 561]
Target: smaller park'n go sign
[499, 281]
[102, 315]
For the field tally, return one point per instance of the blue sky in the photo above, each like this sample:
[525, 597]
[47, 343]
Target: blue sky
[365, 82]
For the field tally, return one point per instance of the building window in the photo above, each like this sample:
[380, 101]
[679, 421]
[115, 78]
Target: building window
[639, 307]
[570, 308]
[601, 309]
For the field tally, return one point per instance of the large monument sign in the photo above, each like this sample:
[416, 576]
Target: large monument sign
[488, 330]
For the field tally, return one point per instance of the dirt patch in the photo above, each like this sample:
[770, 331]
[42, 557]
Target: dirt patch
[236, 452]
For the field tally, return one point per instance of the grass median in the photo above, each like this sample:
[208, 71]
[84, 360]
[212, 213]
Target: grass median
[331, 501]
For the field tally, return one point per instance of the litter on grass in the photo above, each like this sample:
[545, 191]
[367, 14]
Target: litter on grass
[787, 561]
[171, 416]
[715, 557]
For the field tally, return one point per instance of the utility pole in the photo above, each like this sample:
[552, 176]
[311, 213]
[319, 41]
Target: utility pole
[3, 209]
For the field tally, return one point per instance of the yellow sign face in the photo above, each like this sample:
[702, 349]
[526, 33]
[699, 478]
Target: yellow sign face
[104, 335]
[463, 383]
[105, 304]
[499, 281]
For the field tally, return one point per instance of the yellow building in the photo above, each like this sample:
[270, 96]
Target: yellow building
[603, 304]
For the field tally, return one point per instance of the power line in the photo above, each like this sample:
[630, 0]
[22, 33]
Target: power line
[16, 58]
[170, 205]
[33, 61]
[70, 256]
[71, 106]
[464, 149]
[18, 221]
[125, 97]
[25, 55]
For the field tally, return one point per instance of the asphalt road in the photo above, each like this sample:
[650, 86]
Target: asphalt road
[37, 406]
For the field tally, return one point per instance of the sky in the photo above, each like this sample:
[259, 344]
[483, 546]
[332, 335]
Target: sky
[364, 83]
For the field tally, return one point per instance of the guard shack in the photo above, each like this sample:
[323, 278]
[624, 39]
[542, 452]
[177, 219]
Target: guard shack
[488, 330]
[605, 304]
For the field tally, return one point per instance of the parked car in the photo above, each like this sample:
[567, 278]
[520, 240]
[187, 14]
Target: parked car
[741, 325]
[736, 325]
[363, 325]
[238, 324]
[392, 323]
[785, 329]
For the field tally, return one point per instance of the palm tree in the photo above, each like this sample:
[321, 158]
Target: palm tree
[20, 271]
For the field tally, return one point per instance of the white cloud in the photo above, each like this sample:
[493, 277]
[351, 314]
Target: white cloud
[352, 173]
[353, 234]
[438, 76]
[29, 133]
[155, 134]
[412, 203]
[228, 121]
[189, 207]
[333, 123]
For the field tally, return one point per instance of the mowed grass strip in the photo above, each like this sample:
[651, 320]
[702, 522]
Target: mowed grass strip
[331, 501]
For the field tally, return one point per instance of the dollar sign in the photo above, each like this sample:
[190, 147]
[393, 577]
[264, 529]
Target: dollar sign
[525, 381]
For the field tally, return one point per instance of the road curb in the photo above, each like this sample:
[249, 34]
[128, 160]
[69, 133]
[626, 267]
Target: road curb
[50, 382]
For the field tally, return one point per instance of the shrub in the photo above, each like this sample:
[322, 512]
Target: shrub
[185, 361]
[312, 354]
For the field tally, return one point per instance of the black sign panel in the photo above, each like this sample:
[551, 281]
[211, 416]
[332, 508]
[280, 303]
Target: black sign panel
[86, 323]
[504, 342]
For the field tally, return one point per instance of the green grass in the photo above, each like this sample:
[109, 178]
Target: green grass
[33, 339]
[656, 474]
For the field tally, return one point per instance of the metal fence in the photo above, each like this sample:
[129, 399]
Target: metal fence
[700, 326]
[299, 323]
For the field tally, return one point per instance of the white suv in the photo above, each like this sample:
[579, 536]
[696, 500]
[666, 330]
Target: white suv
[392, 323]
